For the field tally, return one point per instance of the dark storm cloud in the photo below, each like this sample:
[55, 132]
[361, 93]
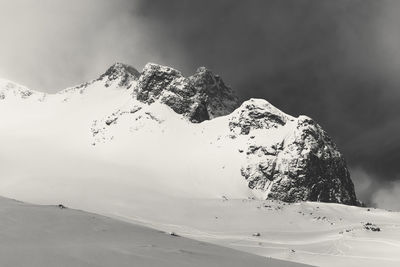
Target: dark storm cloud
[336, 61]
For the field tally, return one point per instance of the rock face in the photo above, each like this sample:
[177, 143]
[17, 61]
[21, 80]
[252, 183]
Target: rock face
[258, 114]
[200, 97]
[122, 73]
[303, 164]
[315, 169]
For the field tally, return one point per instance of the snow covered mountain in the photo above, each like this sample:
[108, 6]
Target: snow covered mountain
[181, 154]
[279, 156]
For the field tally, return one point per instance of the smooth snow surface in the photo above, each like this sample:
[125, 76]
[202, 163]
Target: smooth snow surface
[39, 236]
[97, 149]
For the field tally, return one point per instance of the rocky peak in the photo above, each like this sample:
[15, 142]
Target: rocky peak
[156, 80]
[257, 114]
[317, 169]
[200, 97]
[303, 164]
[212, 89]
[121, 73]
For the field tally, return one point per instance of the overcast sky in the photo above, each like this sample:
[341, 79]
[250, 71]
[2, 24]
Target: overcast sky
[336, 61]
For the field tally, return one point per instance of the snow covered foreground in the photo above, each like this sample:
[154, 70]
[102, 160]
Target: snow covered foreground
[97, 149]
[57, 236]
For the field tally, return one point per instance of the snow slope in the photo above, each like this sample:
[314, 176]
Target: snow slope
[321, 234]
[52, 236]
[96, 147]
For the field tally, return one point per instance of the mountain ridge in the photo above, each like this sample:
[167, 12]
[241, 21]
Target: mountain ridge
[281, 157]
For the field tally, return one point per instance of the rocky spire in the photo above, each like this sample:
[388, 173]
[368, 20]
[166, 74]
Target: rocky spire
[200, 97]
[121, 73]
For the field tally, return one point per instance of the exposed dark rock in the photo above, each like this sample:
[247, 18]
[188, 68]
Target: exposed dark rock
[200, 97]
[218, 98]
[256, 114]
[305, 166]
[121, 73]
[372, 227]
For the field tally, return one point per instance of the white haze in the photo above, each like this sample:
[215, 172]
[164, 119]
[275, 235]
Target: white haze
[49, 45]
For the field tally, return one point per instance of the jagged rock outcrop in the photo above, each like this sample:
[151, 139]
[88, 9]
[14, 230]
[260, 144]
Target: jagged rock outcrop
[316, 170]
[302, 165]
[255, 114]
[122, 73]
[200, 97]
[119, 74]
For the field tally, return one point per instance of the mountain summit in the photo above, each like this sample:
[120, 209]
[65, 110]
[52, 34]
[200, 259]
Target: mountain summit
[187, 135]
[200, 97]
